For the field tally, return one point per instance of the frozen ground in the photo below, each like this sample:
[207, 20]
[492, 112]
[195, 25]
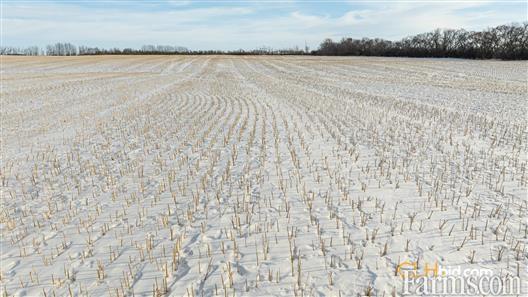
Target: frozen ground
[194, 176]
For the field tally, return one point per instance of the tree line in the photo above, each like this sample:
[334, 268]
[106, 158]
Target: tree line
[507, 42]
[68, 49]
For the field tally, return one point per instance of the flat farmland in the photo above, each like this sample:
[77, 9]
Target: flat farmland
[262, 176]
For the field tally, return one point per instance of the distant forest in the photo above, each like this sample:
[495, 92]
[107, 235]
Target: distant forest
[507, 42]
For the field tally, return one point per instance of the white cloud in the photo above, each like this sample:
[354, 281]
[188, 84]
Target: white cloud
[178, 2]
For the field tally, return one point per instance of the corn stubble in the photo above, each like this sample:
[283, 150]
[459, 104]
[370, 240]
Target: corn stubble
[200, 176]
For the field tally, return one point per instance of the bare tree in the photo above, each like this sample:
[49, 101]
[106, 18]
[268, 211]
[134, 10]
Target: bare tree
[502, 42]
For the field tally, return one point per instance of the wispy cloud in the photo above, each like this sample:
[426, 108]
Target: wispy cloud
[232, 25]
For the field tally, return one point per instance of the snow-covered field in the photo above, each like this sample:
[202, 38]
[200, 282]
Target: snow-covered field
[200, 176]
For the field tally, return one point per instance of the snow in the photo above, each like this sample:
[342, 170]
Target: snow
[255, 176]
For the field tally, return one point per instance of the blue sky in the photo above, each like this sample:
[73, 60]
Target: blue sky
[239, 24]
